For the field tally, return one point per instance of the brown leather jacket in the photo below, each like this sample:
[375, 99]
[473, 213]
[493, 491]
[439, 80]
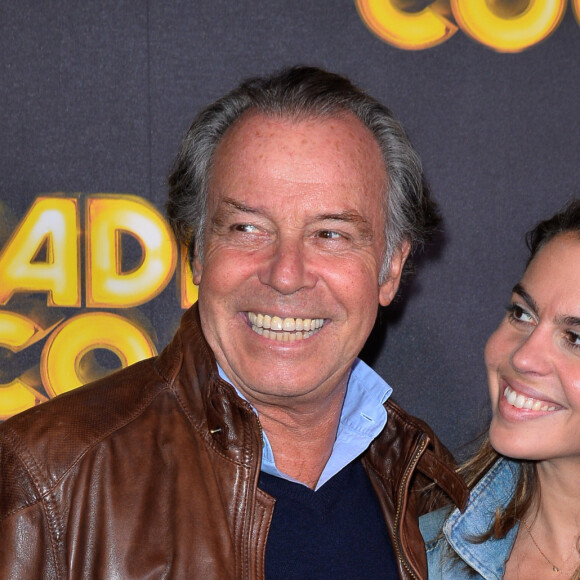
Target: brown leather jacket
[152, 473]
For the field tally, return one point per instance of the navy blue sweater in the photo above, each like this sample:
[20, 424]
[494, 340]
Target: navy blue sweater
[335, 533]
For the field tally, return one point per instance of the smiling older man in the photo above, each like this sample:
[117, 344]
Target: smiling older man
[256, 444]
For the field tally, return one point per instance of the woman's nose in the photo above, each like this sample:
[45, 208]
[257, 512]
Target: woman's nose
[532, 355]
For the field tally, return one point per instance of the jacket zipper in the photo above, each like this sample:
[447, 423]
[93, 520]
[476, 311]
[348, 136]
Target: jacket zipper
[252, 508]
[410, 468]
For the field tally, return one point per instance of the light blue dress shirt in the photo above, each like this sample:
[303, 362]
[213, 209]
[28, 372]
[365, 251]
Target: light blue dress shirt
[362, 418]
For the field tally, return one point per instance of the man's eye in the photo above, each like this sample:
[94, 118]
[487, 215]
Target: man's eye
[517, 313]
[244, 228]
[330, 235]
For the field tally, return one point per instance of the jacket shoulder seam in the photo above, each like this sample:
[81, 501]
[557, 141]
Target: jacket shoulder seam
[45, 500]
[82, 451]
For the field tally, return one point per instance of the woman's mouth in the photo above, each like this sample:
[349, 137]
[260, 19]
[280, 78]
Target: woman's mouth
[520, 401]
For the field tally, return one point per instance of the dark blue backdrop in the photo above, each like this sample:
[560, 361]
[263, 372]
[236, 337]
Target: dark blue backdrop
[95, 97]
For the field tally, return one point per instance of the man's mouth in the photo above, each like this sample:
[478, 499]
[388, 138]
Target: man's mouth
[284, 329]
[520, 401]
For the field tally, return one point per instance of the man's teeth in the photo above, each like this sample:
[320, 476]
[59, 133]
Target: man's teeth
[284, 329]
[521, 402]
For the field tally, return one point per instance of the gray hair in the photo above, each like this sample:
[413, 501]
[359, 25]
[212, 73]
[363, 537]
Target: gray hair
[297, 93]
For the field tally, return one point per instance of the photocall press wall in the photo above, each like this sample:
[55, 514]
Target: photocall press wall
[95, 98]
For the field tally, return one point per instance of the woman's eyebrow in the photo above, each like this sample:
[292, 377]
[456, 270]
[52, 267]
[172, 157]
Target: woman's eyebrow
[519, 289]
[566, 320]
[560, 319]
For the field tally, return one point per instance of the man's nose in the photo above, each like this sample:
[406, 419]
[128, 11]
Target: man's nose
[286, 268]
[533, 354]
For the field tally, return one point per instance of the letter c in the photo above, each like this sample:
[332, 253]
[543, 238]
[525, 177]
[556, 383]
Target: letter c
[407, 30]
[18, 332]
[576, 9]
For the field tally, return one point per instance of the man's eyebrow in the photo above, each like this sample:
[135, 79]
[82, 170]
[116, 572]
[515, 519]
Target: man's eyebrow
[363, 225]
[560, 320]
[344, 216]
[232, 205]
[227, 207]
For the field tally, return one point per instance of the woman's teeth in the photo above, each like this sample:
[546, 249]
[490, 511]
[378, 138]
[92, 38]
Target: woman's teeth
[284, 329]
[520, 402]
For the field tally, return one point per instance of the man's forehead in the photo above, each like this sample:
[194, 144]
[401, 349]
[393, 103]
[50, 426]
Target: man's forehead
[330, 164]
[340, 141]
[263, 124]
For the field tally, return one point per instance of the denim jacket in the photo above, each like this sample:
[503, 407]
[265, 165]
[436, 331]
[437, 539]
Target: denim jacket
[477, 560]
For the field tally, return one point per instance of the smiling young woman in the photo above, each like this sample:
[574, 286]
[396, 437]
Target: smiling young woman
[523, 518]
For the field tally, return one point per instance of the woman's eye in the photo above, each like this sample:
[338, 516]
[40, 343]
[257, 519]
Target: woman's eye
[517, 313]
[573, 338]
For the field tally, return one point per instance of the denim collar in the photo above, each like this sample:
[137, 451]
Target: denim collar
[495, 489]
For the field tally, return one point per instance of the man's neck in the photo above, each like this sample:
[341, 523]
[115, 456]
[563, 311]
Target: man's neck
[302, 440]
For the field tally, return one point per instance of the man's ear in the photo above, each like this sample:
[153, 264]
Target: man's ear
[389, 287]
[196, 267]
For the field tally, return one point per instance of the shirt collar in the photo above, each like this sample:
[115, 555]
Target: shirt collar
[362, 418]
[494, 490]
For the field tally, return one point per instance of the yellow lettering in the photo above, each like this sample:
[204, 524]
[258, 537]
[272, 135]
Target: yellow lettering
[576, 9]
[43, 253]
[68, 361]
[188, 290]
[17, 332]
[109, 217]
[17, 396]
[508, 26]
[407, 30]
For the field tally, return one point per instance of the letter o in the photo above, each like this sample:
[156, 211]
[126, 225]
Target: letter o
[508, 28]
[62, 356]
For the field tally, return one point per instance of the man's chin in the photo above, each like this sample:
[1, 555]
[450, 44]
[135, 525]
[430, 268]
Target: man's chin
[283, 387]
